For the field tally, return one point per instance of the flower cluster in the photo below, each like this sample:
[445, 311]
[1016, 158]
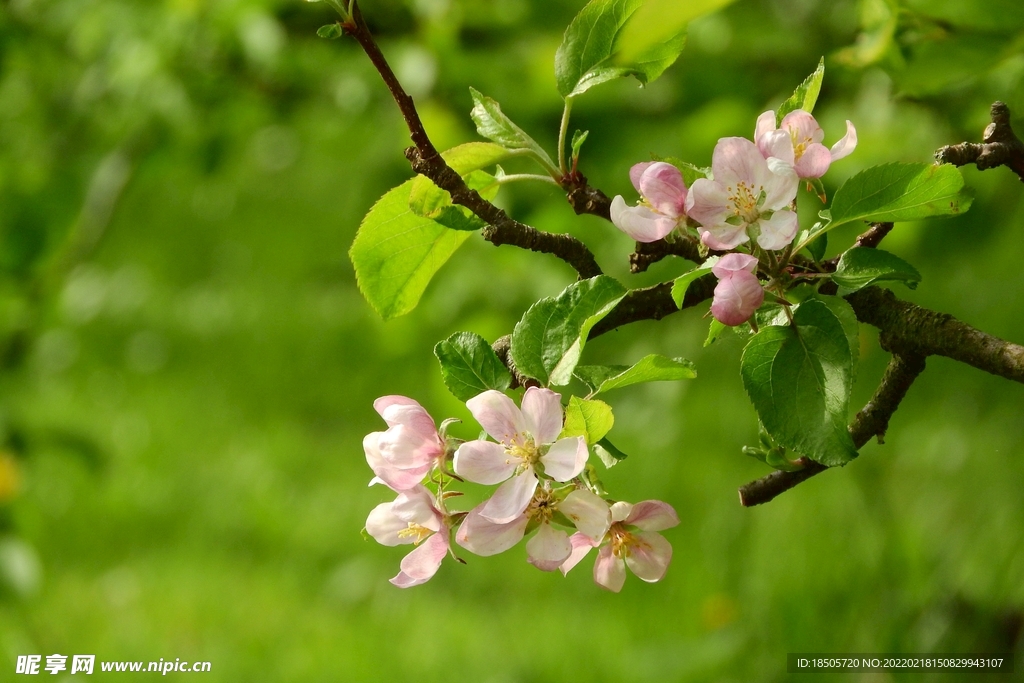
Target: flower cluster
[748, 200]
[541, 491]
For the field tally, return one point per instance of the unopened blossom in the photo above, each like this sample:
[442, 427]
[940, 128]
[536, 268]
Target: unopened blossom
[631, 542]
[401, 456]
[412, 518]
[550, 546]
[797, 142]
[746, 199]
[662, 205]
[739, 293]
[527, 440]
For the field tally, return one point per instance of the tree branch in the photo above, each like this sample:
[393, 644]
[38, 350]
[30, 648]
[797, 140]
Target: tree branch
[426, 160]
[1000, 146]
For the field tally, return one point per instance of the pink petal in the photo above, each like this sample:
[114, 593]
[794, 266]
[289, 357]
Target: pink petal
[397, 479]
[405, 448]
[421, 564]
[708, 203]
[815, 161]
[653, 515]
[549, 548]
[498, 415]
[566, 458]
[640, 222]
[778, 231]
[845, 147]
[736, 298]
[589, 512]
[383, 525]
[581, 545]
[483, 537]
[649, 556]
[416, 506]
[609, 571]
[765, 125]
[777, 145]
[638, 170]
[737, 160]
[484, 462]
[542, 413]
[402, 410]
[780, 184]
[511, 498]
[620, 511]
[724, 236]
[731, 263]
[662, 186]
[802, 126]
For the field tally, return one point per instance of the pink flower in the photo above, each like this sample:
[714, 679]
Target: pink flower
[631, 541]
[401, 456]
[550, 546]
[746, 199]
[661, 209]
[527, 439]
[412, 518]
[739, 293]
[797, 142]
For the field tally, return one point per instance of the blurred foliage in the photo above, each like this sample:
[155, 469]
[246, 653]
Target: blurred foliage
[188, 370]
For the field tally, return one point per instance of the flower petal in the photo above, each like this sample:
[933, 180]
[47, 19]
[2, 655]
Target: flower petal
[638, 170]
[662, 186]
[652, 515]
[649, 556]
[707, 202]
[621, 510]
[548, 548]
[609, 571]
[765, 125]
[421, 564]
[395, 478]
[484, 462]
[814, 163]
[405, 448]
[846, 145]
[402, 410]
[416, 506]
[724, 237]
[780, 184]
[542, 413]
[777, 145]
[589, 512]
[498, 415]
[481, 536]
[384, 525]
[566, 458]
[731, 263]
[640, 222]
[778, 231]
[511, 498]
[581, 545]
[737, 160]
[802, 127]
[736, 298]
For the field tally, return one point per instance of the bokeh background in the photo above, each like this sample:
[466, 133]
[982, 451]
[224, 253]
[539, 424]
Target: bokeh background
[187, 368]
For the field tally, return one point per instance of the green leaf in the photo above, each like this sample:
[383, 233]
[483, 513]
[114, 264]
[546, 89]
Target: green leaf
[493, 124]
[430, 201]
[683, 282]
[842, 309]
[330, 31]
[548, 341]
[806, 94]
[397, 252]
[818, 246]
[862, 266]
[799, 381]
[587, 418]
[608, 453]
[900, 192]
[469, 366]
[652, 368]
[578, 138]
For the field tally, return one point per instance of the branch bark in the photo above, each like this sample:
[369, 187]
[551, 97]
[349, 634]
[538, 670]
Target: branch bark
[1000, 146]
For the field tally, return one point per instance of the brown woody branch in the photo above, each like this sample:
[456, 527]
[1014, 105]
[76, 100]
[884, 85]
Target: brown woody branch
[426, 160]
[1000, 146]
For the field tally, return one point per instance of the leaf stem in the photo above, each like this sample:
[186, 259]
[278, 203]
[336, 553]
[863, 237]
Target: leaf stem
[562, 132]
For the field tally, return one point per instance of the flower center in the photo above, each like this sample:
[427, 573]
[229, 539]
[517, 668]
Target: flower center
[745, 202]
[417, 531]
[800, 145]
[542, 507]
[522, 449]
[623, 542]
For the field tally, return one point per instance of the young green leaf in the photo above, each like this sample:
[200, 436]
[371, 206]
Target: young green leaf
[862, 266]
[578, 138]
[608, 454]
[493, 124]
[330, 31]
[469, 366]
[806, 94]
[652, 368]
[548, 341]
[683, 282]
[715, 331]
[587, 418]
[842, 310]
[799, 381]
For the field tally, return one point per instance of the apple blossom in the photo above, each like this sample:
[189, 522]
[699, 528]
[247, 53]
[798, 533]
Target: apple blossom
[526, 438]
[797, 142]
[412, 518]
[739, 293]
[746, 199]
[401, 456]
[550, 546]
[631, 541]
[661, 209]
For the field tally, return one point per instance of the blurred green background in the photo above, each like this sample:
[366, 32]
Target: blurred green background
[187, 368]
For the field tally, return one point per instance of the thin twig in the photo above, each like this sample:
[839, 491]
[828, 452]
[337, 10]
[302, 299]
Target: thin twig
[1000, 146]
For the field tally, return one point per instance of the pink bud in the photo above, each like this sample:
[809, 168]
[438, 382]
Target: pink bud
[737, 296]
